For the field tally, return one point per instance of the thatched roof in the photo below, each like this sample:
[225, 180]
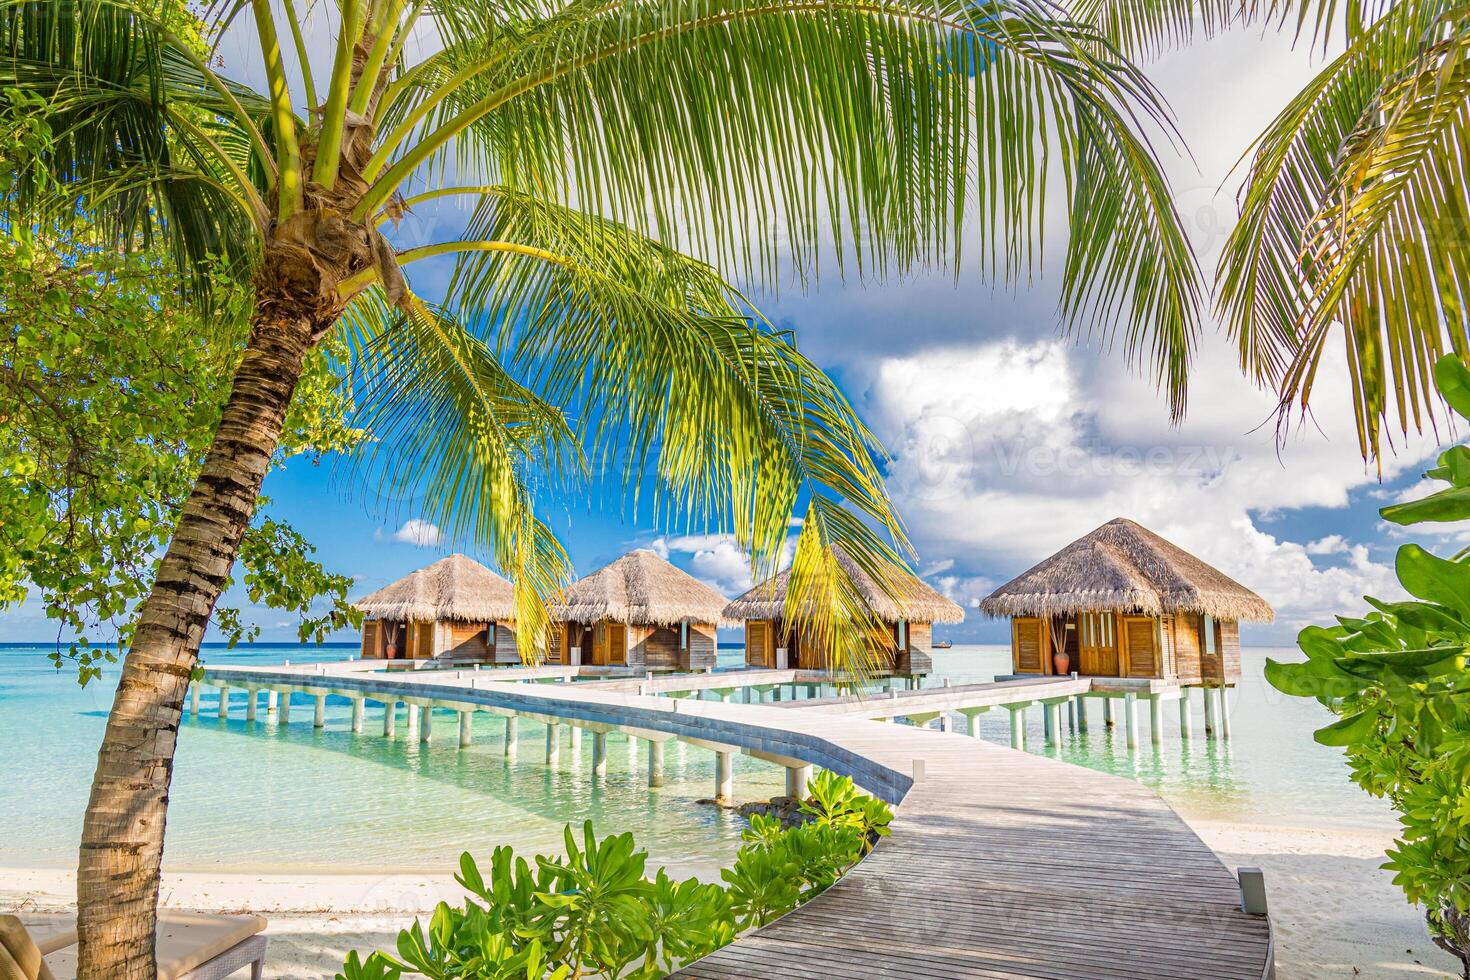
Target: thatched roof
[456, 588]
[640, 589]
[1124, 567]
[917, 602]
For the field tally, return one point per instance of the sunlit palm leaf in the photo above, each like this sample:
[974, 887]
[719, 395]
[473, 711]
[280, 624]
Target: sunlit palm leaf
[460, 438]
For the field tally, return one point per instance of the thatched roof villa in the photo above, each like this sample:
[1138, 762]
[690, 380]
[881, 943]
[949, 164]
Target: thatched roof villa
[1123, 602]
[910, 616]
[640, 611]
[455, 609]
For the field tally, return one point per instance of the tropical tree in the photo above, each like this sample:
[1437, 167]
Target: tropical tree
[1356, 204]
[593, 140]
[1397, 678]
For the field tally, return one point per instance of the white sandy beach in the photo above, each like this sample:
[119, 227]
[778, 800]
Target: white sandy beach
[1336, 913]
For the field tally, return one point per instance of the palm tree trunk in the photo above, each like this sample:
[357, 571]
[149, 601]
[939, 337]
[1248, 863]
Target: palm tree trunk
[122, 837]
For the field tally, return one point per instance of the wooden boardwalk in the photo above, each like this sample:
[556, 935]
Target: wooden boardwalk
[1001, 864]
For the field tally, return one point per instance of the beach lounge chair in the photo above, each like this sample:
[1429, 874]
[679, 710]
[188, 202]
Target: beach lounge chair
[191, 946]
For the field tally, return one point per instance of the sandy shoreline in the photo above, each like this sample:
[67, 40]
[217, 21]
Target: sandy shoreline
[1336, 913]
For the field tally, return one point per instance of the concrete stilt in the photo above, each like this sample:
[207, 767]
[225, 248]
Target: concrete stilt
[1156, 720]
[1209, 699]
[553, 744]
[1222, 712]
[745, 695]
[390, 718]
[1186, 719]
[1108, 712]
[411, 720]
[357, 705]
[1130, 718]
[655, 762]
[252, 697]
[466, 728]
[270, 702]
[511, 725]
[972, 723]
[725, 696]
[194, 698]
[319, 717]
[1047, 726]
[946, 722]
[724, 775]
[599, 755]
[224, 702]
[796, 779]
[1018, 725]
[285, 713]
[574, 740]
[1054, 712]
[1081, 708]
[426, 723]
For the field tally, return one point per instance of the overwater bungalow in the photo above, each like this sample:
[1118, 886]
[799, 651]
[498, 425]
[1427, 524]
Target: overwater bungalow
[455, 609]
[640, 611]
[1123, 602]
[909, 618]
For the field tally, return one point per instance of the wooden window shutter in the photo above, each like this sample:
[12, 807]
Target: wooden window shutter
[1028, 644]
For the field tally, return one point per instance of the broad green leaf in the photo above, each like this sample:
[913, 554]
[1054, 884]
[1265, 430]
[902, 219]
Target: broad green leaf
[1348, 730]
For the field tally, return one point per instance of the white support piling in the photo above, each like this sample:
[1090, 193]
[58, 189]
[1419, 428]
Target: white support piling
[285, 712]
[466, 728]
[1046, 729]
[599, 755]
[1107, 712]
[319, 718]
[553, 744]
[655, 762]
[1156, 720]
[1209, 699]
[194, 698]
[1130, 718]
[574, 741]
[390, 717]
[224, 701]
[357, 705]
[1018, 725]
[511, 734]
[1053, 723]
[725, 696]
[1186, 719]
[1081, 709]
[270, 702]
[252, 696]
[724, 776]
[745, 695]
[426, 724]
[972, 720]
[946, 722]
[1222, 713]
[796, 779]
[411, 720]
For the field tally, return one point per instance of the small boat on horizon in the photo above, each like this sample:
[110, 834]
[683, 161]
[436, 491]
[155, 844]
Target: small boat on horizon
[943, 644]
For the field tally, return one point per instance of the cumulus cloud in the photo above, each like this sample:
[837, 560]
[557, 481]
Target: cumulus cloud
[715, 559]
[1332, 544]
[420, 533]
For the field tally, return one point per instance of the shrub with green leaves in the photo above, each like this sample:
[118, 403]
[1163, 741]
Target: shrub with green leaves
[595, 913]
[1397, 679]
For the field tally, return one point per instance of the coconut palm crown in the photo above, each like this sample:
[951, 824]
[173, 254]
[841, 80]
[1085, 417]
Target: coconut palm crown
[593, 141]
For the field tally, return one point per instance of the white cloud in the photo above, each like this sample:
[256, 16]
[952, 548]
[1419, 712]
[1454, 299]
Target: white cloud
[715, 559]
[419, 532]
[1332, 544]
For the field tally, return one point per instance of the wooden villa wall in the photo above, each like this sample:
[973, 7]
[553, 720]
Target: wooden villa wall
[504, 650]
[1171, 648]
[915, 657]
[1229, 646]
[1184, 628]
[702, 647]
[466, 641]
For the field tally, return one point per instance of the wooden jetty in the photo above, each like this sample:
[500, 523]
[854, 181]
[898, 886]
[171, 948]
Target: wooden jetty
[1001, 864]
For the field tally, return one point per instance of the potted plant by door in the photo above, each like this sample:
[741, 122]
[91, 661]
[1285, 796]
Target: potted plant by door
[1061, 662]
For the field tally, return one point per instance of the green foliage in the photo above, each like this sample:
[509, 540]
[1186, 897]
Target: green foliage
[1397, 679]
[593, 912]
[110, 389]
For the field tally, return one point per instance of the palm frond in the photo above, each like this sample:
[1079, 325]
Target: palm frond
[1343, 221]
[1147, 27]
[115, 85]
[454, 432]
[752, 132]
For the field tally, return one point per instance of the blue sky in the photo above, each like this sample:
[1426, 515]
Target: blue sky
[1008, 439]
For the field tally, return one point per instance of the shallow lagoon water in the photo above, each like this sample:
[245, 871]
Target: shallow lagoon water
[256, 797]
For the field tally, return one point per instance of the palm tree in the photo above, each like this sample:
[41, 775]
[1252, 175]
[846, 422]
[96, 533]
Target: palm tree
[595, 140]
[1355, 212]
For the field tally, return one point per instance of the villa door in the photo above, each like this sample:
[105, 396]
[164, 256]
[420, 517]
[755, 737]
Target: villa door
[617, 643]
[1142, 650]
[1097, 643]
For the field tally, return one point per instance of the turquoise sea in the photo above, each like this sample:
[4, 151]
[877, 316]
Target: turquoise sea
[259, 798]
